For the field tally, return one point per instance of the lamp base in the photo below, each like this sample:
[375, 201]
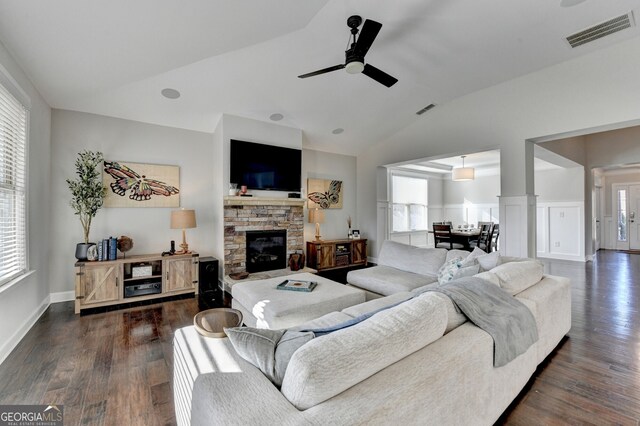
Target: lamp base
[185, 249]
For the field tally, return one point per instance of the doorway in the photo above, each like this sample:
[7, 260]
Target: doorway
[626, 200]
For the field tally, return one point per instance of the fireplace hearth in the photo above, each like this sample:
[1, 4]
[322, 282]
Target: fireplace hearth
[266, 250]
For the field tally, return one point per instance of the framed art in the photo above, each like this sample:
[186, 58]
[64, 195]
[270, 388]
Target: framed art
[141, 185]
[324, 194]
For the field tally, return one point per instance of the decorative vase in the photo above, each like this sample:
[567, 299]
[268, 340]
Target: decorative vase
[81, 250]
[296, 261]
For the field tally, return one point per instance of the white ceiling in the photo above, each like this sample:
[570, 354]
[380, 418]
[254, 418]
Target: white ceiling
[487, 163]
[242, 57]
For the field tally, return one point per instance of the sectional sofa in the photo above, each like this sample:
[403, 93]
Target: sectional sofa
[419, 362]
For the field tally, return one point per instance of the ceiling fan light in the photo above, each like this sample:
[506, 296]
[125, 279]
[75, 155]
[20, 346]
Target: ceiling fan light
[462, 174]
[354, 67]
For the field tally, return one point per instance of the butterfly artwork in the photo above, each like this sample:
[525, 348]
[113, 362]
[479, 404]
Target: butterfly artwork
[141, 185]
[324, 193]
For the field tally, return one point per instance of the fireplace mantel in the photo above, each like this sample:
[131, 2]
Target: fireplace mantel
[262, 201]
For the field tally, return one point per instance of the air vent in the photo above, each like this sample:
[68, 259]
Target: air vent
[601, 30]
[425, 109]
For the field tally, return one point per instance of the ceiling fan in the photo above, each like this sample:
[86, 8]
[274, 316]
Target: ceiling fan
[354, 62]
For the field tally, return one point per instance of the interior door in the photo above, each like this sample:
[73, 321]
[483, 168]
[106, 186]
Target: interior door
[597, 217]
[621, 220]
[634, 220]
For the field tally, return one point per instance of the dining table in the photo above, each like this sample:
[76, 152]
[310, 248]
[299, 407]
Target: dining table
[465, 236]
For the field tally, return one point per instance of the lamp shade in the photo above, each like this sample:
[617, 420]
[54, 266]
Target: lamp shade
[183, 219]
[463, 174]
[316, 216]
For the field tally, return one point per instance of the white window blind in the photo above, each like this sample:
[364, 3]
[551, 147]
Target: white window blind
[410, 201]
[13, 215]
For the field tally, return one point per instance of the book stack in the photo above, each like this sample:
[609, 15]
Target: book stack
[108, 249]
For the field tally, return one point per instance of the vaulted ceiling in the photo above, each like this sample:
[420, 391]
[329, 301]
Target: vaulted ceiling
[243, 57]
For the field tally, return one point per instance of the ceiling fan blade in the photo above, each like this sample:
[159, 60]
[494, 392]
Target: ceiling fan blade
[322, 71]
[379, 76]
[368, 34]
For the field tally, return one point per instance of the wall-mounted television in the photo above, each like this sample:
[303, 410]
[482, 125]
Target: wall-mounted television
[265, 167]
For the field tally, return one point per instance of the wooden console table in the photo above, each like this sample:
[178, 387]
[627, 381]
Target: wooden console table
[120, 281]
[325, 255]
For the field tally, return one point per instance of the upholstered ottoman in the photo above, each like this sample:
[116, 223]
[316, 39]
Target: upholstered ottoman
[264, 306]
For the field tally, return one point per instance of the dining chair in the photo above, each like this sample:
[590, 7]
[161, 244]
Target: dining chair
[484, 238]
[443, 238]
[495, 234]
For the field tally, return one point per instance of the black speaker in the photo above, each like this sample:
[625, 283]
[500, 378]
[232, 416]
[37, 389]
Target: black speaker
[209, 295]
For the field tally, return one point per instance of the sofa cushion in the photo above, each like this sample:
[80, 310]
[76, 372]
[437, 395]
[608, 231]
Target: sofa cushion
[456, 253]
[489, 276]
[375, 304]
[455, 317]
[423, 261]
[268, 350]
[518, 276]
[327, 320]
[386, 280]
[472, 258]
[489, 261]
[330, 364]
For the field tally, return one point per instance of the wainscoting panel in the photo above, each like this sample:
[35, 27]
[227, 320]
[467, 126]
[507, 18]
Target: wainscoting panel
[542, 230]
[561, 229]
[517, 225]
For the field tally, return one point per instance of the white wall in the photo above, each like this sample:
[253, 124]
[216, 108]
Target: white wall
[560, 184]
[22, 303]
[472, 201]
[124, 140]
[595, 150]
[560, 213]
[323, 165]
[552, 101]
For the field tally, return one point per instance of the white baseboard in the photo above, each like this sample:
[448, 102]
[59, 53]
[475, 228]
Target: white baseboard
[13, 341]
[63, 296]
[561, 257]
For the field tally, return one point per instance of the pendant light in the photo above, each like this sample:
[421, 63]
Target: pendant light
[463, 173]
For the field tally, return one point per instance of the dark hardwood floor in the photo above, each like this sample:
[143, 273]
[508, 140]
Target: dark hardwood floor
[593, 377]
[115, 368]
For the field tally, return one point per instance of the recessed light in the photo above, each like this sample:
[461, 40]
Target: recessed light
[170, 93]
[276, 117]
[569, 3]
[337, 131]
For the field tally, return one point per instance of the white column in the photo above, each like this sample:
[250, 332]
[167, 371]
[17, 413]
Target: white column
[517, 200]
[518, 225]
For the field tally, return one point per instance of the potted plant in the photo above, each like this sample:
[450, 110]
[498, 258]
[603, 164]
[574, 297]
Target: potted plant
[87, 194]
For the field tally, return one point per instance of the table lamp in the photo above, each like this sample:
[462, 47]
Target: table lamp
[183, 219]
[316, 216]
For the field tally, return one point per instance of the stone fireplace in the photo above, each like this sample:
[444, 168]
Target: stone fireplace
[245, 215]
[266, 250]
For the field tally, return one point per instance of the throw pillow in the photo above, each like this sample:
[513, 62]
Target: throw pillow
[268, 350]
[467, 271]
[472, 258]
[449, 269]
[489, 261]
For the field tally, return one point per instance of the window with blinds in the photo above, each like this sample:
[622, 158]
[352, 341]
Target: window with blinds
[13, 214]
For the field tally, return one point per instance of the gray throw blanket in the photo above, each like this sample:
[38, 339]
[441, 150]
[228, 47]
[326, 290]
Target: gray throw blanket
[509, 322]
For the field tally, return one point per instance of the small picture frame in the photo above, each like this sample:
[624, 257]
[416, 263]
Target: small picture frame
[355, 234]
